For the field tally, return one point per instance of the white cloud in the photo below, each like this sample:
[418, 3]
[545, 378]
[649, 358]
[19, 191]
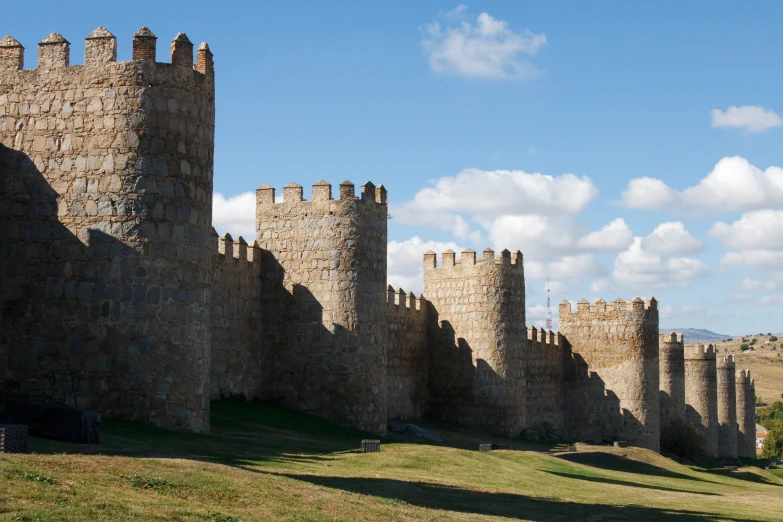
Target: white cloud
[644, 267]
[235, 215]
[648, 193]
[573, 267]
[752, 118]
[733, 184]
[757, 285]
[613, 237]
[406, 261]
[668, 311]
[488, 49]
[490, 196]
[671, 238]
[757, 230]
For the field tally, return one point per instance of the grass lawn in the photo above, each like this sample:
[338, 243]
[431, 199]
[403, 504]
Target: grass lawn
[261, 463]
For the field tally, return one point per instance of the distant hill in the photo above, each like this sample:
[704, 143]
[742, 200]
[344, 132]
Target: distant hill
[696, 334]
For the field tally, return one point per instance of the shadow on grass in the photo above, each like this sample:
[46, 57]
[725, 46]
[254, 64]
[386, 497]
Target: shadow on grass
[450, 498]
[603, 480]
[613, 462]
[743, 475]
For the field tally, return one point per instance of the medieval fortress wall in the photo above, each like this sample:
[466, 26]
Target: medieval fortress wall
[117, 294]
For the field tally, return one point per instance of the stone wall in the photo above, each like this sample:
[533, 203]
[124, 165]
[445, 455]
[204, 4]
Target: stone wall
[612, 385]
[478, 339]
[407, 361]
[746, 414]
[106, 190]
[238, 356]
[727, 407]
[672, 378]
[701, 394]
[323, 301]
[544, 382]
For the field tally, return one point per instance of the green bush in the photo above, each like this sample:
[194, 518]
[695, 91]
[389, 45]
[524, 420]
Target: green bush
[754, 341]
[682, 439]
[773, 444]
[773, 338]
[744, 346]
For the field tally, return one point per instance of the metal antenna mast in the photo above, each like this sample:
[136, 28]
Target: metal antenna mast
[548, 307]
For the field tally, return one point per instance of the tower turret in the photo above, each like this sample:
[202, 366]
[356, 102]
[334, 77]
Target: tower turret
[746, 414]
[672, 378]
[701, 394]
[727, 408]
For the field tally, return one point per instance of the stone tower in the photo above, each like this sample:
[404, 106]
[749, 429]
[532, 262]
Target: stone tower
[701, 394]
[617, 343]
[727, 407]
[478, 335]
[746, 415]
[106, 179]
[672, 377]
[323, 301]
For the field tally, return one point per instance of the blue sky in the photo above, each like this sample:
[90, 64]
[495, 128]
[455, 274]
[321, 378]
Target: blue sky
[654, 127]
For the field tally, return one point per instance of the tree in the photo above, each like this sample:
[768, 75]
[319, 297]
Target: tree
[773, 444]
[744, 346]
[773, 338]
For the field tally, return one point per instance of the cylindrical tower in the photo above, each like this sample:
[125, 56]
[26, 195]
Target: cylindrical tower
[672, 381]
[701, 394]
[113, 171]
[614, 392]
[727, 408]
[323, 300]
[477, 371]
[746, 415]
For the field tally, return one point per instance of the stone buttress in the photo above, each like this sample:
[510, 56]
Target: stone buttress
[746, 415]
[612, 380]
[106, 183]
[477, 339]
[727, 407]
[672, 378]
[323, 301]
[701, 394]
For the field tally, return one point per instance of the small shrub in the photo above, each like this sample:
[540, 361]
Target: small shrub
[744, 347]
[773, 338]
[760, 402]
[153, 483]
[754, 341]
[682, 439]
[773, 444]
[35, 477]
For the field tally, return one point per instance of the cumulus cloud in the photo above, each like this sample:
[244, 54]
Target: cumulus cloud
[235, 215]
[406, 261]
[668, 311]
[733, 184]
[651, 262]
[487, 48]
[613, 237]
[757, 285]
[490, 196]
[671, 238]
[648, 193]
[757, 230]
[752, 118]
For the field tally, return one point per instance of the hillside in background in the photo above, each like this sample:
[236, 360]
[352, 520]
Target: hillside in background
[762, 357]
[696, 334]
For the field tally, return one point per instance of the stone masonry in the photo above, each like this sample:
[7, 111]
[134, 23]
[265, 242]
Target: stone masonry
[618, 344]
[701, 394]
[116, 293]
[727, 407]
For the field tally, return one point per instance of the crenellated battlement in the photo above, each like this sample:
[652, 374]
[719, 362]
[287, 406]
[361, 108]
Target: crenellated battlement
[468, 259]
[293, 195]
[100, 49]
[238, 249]
[726, 362]
[673, 338]
[399, 300]
[542, 339]
[603, 307]
[700, 351]
[743, 376]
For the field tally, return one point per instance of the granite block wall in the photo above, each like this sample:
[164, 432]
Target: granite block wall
[544, 382]
[407, 365]
[672, 378]
[477, 324]
[238, 356]
[746, 414]
[323, 301]
[701, 394]
[612, 386]
[727, 407]
[106, 191]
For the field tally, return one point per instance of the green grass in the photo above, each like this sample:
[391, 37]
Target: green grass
[261, 463]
